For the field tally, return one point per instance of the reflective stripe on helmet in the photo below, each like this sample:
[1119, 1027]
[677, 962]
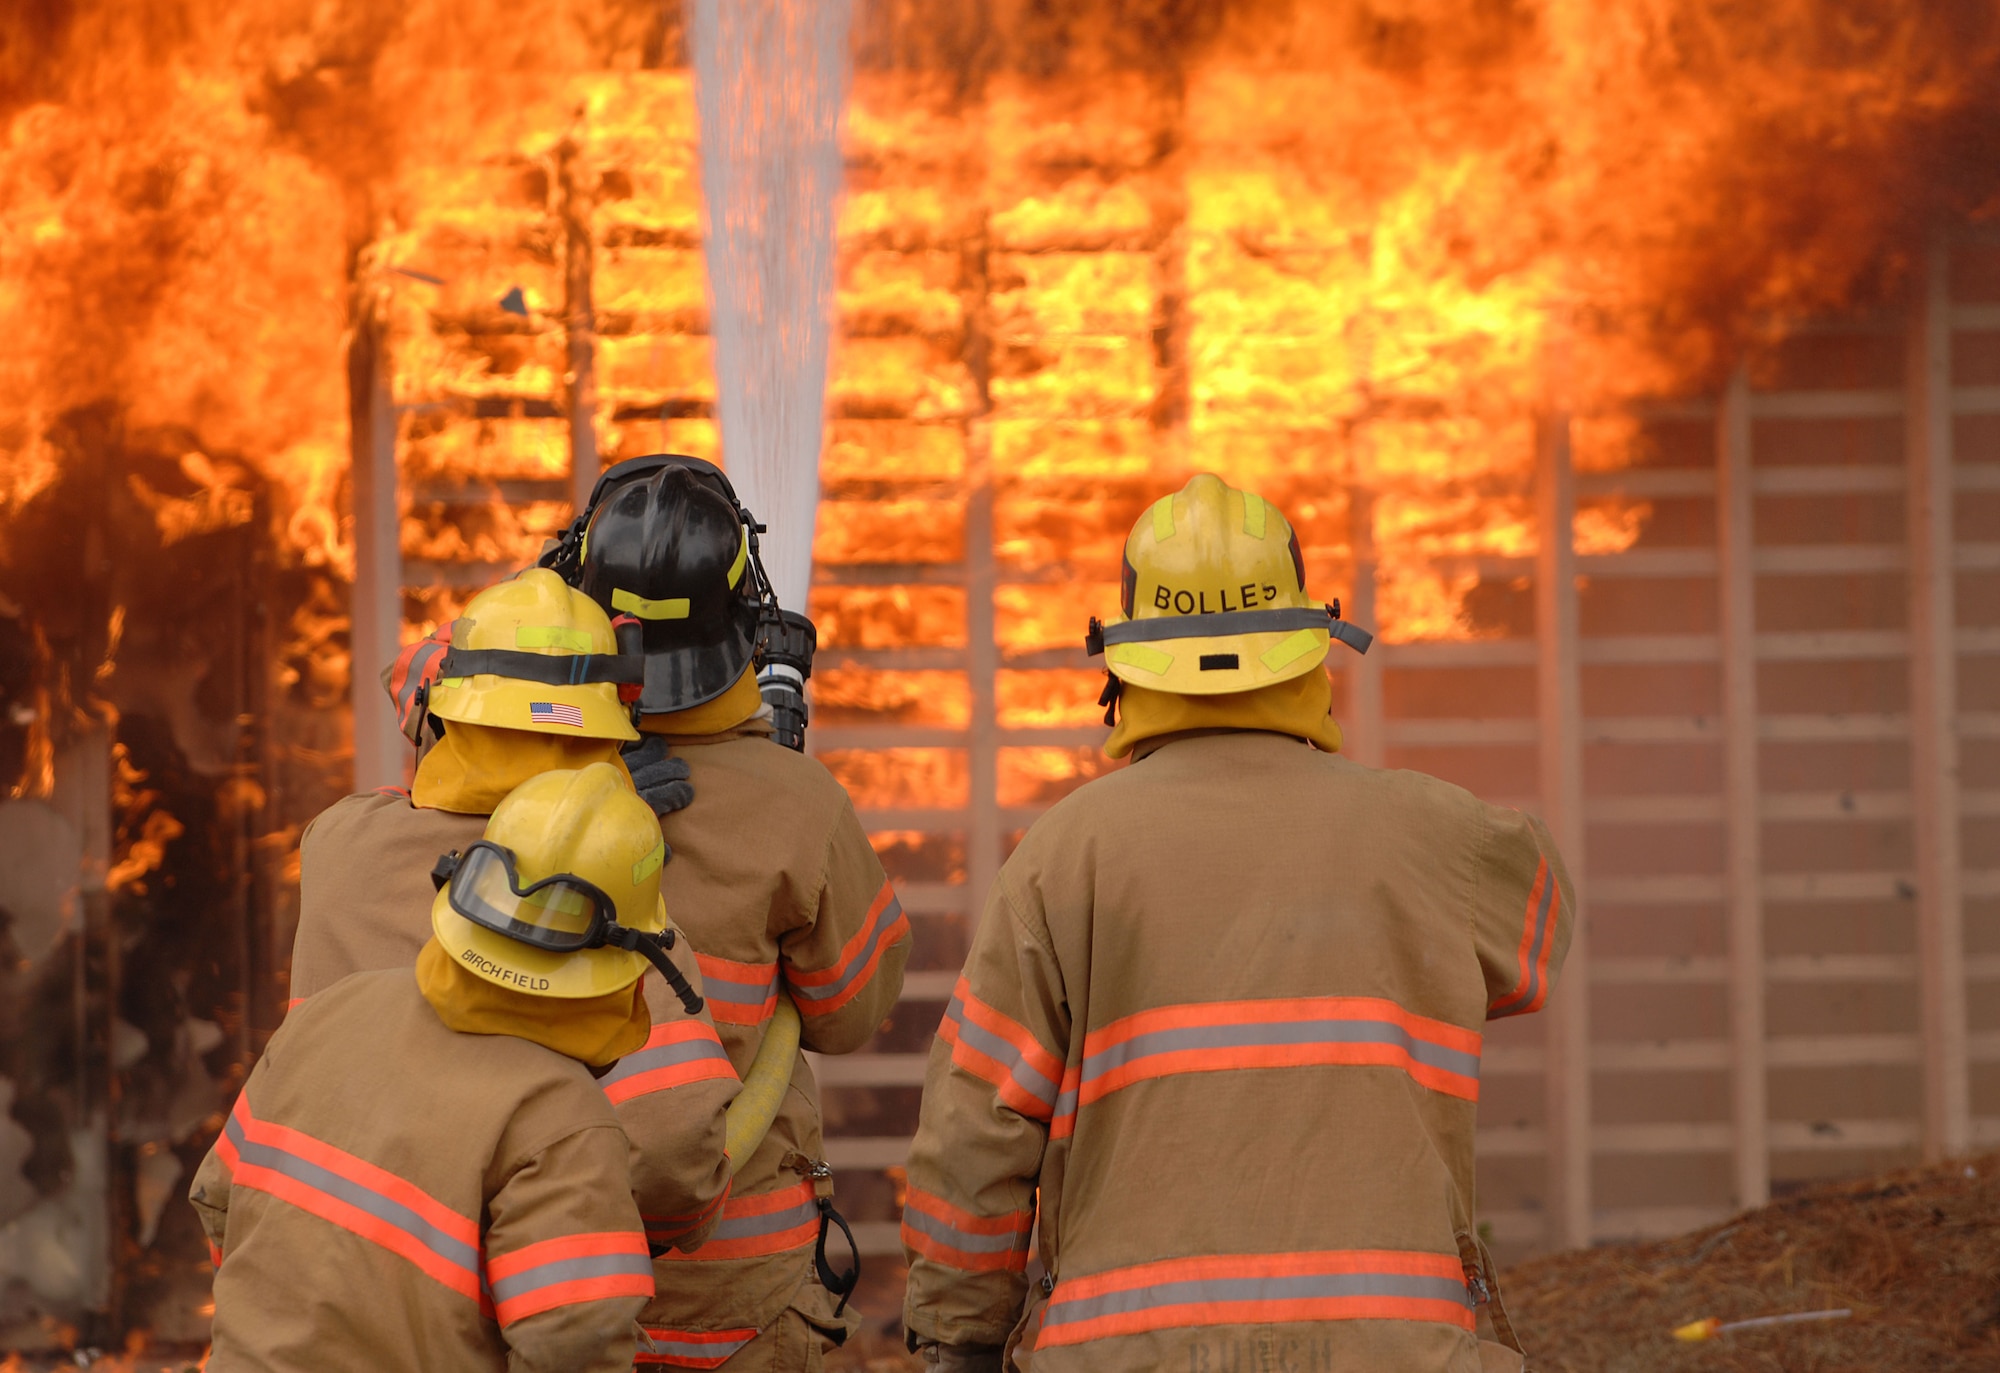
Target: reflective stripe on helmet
[553, 636]
[742, 559]
[673, 608]
[1227, 622]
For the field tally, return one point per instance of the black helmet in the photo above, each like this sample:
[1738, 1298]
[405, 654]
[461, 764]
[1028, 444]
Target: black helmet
[665, 540]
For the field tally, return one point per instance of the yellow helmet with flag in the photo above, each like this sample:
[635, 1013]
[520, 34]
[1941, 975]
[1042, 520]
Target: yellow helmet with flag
[1214, 598]
[535, 654]
[550, 900]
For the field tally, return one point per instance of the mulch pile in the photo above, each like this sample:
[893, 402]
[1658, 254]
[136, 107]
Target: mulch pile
[1914, 1255]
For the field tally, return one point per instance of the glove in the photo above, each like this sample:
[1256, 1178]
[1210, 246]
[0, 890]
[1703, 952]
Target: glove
[960, 1358]
[661, 780]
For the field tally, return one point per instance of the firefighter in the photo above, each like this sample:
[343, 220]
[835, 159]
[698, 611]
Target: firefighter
[527, 679]
[1216, 1044]
[422, 1172]
[780, 892]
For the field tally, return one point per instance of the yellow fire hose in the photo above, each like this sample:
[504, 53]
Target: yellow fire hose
[749, 1117]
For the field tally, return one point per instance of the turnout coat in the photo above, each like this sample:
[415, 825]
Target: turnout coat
[781, 894]
[1217, 1045]
[389, 1195]
[365, 897]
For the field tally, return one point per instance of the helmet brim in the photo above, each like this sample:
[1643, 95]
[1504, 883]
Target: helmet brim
[505, 703]
[1259, 660]
[523, 968]
[690, 675]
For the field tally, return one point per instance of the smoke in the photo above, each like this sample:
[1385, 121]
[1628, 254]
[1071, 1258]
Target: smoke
[771, 78]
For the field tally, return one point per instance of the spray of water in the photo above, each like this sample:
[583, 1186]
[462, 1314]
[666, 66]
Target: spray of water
[771, 78]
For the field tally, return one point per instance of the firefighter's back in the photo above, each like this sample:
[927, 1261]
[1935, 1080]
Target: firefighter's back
[780, 893]
[394, 1195]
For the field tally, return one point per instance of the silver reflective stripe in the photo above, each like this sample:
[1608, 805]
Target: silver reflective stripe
[736, 993]
[707, 1352]
[1000, 1051]
[1219, 623]
[361, 1198]
[1291, 1287]
[963, 1239]
[1318, 1031]
[665, 1056]
[745, 1227]
[885, 919]
[570, 1270]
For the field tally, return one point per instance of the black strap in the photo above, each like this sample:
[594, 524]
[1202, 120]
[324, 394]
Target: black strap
[842, 1285]
[1229, 622]
[554, 669]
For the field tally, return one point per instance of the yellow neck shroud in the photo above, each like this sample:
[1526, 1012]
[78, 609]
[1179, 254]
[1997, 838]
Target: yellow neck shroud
[474, 766]
[1300, 706]
[596, 1030]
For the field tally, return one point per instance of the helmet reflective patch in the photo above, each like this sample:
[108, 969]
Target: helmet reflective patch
[1290, 650]
[552, 636]
[1163, 519]
[650, 864]
[1142, 656]
[673, 608]
[1253, 514]
[742, 559]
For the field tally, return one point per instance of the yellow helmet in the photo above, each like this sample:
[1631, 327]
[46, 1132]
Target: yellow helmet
[535, 654]
[567, 857]
[1214, 598]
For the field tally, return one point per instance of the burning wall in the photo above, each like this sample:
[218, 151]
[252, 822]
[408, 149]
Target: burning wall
[1332, 250]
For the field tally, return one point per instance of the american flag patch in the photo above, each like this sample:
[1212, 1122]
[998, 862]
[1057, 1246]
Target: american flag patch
[555, 713]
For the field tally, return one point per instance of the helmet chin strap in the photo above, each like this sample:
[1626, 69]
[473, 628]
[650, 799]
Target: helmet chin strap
[654, 947]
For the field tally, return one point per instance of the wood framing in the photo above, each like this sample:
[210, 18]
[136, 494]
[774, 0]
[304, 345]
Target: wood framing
[1742, 821]
[1559, 696]
[1364, 731]
[377, 606]
[1933, 659]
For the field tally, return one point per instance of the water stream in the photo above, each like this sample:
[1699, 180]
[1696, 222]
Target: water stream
[770, 79]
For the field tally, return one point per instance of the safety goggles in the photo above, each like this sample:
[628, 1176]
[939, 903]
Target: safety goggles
[559, 914]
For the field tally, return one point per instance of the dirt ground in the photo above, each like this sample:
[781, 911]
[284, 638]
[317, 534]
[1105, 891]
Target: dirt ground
[1915, 1256]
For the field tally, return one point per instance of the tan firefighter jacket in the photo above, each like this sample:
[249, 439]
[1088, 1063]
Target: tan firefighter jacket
[390, 1195]
[779, 891]
[1223, 1017]
[365, 897]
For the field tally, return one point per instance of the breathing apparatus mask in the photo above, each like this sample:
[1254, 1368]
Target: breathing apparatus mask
[665, 540]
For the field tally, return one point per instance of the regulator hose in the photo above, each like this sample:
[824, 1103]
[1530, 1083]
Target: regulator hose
[749, 1117]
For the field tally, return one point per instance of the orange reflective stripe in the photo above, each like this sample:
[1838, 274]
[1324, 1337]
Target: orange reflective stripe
[1003, 1052]
[1537, 941]
[1285, 1032]
[664, 1348]
[675, 1054]
[567, 1270]
[1244, 1289]
[959, 1239]
[739, 993]
[768, 1223]
[356, 1196]
[214, 1254]
[826, 991]
[664, 1230]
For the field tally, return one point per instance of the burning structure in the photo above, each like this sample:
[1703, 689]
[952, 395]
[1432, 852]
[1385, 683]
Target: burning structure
[320, 322]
